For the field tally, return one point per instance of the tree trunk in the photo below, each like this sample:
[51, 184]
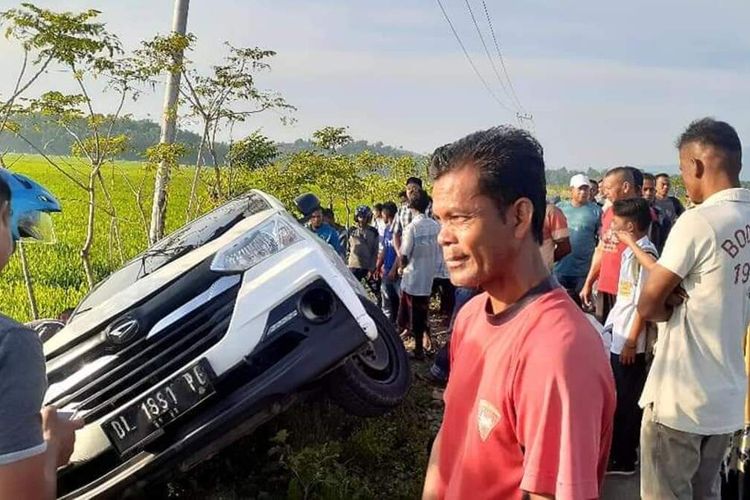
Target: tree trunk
[27, 281]
[168, 129]
[89, 242]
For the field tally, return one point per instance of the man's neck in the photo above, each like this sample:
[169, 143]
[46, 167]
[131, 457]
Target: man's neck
[662, 197]
[578, 204]
[718, 185]
[525, 272]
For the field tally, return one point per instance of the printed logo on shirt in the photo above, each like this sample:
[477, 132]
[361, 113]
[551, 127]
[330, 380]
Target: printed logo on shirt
[487, 418]
[610, 241]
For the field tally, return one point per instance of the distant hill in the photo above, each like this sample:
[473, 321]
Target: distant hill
[354, 147]
[144, 133]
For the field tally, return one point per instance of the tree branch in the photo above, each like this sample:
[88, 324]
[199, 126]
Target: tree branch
[52, 162]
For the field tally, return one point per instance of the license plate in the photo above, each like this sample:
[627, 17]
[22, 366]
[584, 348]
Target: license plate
[144, 420]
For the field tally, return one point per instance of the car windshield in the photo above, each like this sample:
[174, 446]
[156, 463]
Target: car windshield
[189, 237]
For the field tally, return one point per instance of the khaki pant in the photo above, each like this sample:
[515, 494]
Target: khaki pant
[679, 465]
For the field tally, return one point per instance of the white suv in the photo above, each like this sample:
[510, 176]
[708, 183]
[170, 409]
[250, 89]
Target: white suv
[207, 334]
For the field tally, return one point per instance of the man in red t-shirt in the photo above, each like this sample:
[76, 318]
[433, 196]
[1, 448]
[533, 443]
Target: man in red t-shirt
[530, 399]
[619, 184]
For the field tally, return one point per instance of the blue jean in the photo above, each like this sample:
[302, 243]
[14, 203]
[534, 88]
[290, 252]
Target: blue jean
[390, 291]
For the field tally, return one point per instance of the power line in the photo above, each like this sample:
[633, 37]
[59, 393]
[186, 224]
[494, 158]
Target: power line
[500, 55]
[487, 51]
[471, 62]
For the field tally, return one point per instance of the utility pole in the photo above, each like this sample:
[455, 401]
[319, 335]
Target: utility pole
[168, 127]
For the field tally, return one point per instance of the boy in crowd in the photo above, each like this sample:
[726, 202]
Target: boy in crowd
[418, 262]
[363, 249]
[630, 223]
[387, 266]
[317, 225]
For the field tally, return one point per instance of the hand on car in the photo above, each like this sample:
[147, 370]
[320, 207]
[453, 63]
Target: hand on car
[59, 433]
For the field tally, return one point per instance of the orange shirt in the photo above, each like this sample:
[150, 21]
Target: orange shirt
[529, 403]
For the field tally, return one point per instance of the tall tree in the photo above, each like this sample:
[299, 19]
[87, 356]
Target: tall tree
[331, 139]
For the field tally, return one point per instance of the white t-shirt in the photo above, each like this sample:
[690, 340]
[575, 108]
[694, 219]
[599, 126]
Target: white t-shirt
[632, 276]
[421, 247]
[697, 382]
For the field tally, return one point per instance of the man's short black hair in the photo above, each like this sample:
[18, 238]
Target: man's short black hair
[592, 181]
[390, 208]
[625, 173]
[649, 177]
[414, 180]
[4, 192]
[661, 175]
[510, 163]
[637, 177]
[635, 210]
[378, 207]
[419, 201]
[716, 133]
[328, 212]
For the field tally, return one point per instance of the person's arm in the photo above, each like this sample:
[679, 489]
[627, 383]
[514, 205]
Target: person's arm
[661, 293]
[32, 444]
[629, 350]
[432, 478]
[35, 477]
[407, 246]
[688, 247]
[562, 248]
[645, 259]
[560, 233]
[596, 265]
[375, 250]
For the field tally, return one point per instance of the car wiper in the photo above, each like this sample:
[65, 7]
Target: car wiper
[170, 252]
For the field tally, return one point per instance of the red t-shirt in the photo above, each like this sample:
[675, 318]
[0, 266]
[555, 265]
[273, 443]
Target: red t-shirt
[609, 273]
[529, 404]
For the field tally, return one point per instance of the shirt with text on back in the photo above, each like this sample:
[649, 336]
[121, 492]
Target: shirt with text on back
[697, 382]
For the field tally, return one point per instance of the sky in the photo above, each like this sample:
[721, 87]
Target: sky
[607, 83]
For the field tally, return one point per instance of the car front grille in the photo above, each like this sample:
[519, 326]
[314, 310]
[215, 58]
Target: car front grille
[148, 361]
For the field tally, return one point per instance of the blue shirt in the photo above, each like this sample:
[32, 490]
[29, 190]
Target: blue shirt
[583, 224]
[389, 251]
[329, 235]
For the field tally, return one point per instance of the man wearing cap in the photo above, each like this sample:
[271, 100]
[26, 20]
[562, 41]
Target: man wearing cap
[584, 222]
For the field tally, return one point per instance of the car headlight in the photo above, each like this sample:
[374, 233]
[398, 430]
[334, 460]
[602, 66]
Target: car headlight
[255, 246]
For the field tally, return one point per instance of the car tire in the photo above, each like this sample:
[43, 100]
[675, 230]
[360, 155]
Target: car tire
[377, 378]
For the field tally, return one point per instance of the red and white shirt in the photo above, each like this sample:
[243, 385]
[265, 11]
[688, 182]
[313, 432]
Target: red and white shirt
[529, 404]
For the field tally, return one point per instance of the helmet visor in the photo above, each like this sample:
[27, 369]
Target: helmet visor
[36, 227]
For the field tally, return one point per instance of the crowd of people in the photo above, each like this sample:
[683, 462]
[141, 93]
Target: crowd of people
[537, 290]
[531, 404]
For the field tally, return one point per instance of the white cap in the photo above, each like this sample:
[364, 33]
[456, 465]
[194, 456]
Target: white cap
[579, 180]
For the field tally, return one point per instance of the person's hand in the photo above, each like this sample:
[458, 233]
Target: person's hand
[393, 274]
[625, 237]
[586, 294]
[627, 355]
[677, 297]
[59, 433]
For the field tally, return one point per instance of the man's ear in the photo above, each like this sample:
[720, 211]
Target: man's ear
[698, 167]
[522, 212]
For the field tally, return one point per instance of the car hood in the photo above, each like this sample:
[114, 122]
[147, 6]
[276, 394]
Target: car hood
[84, 323]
